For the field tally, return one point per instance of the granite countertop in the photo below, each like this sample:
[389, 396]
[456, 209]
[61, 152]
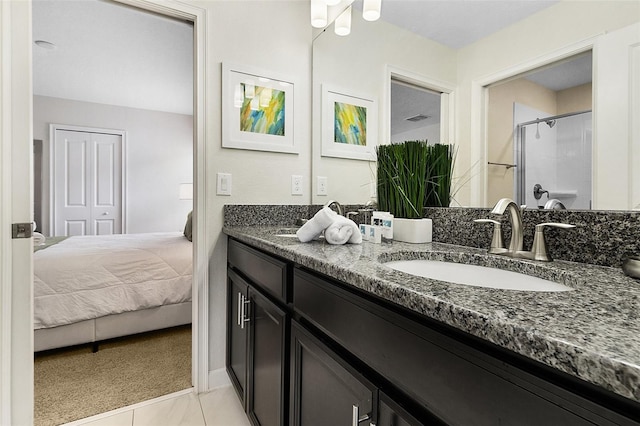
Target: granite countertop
[591, 332]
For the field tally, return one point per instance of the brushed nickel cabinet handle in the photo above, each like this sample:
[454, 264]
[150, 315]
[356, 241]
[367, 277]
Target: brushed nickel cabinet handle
[356, 419]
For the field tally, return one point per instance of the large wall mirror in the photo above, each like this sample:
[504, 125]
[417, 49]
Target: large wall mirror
[546, 122]
[377, 62]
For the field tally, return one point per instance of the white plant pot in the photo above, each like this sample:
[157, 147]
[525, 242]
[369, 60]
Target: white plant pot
[412, 230]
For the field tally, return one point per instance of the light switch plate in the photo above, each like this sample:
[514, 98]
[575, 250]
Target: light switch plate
[224, 184]
[322, 185]
[296, 185]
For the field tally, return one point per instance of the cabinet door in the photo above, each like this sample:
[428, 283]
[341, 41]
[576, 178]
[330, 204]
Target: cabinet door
[237, 332]
[267, 361]
[392, 414]
[324, 389]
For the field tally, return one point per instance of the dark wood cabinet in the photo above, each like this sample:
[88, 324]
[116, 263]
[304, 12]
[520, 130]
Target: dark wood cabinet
[257, 334]
[324, 389]
[267, 378]
[304, 349]
[437, 368]
[237, 333]
[391, 413]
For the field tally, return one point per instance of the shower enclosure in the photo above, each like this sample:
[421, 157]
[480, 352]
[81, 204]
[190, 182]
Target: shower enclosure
[553, 158]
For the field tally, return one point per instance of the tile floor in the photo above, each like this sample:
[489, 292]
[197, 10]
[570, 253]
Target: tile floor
[219, 407]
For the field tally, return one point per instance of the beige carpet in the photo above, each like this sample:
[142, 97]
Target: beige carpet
[75, 383]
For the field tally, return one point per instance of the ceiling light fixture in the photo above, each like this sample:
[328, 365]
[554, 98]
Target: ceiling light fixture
[45, 44]
[318, 13]
[371, 10]
[343, 23]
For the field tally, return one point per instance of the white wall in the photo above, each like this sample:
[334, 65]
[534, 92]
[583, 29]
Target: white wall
[159, 157]
[274, 36]
[566, 24]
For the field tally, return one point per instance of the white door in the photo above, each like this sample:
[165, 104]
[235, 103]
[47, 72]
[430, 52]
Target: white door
[87, 183]
[16, 188]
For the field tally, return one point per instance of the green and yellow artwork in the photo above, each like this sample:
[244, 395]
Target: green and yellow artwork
[350, 124]
[263, 112]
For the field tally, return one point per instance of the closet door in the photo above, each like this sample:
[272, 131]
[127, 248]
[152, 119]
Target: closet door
[87, 188]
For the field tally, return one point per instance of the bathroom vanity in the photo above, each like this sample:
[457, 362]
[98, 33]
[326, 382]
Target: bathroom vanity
[321, 334]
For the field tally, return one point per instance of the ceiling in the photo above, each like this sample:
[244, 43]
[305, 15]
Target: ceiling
[458, 23]
[408, 102]
[117, 55]
[112, 54]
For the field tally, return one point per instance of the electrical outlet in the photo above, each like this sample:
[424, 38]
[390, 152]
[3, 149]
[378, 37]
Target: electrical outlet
[296, 185]
[322, 185]
[224, 184]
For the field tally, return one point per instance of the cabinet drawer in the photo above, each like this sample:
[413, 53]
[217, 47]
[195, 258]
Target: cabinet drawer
[269, 273]
[450, 379]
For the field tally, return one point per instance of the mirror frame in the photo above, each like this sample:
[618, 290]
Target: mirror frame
[447, 101]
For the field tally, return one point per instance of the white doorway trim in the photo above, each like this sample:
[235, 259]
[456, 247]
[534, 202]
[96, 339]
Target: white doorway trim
[16, 273]
[200, 291]
[52, 168]
[447, 100]
[479, 111]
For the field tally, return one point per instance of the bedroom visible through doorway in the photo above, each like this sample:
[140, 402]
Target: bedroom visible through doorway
[100, 80]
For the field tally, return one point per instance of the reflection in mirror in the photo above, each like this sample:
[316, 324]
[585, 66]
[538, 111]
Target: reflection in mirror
[415, 113]
[471, 63]
[539, 133]
[553, 159]
[364, 62]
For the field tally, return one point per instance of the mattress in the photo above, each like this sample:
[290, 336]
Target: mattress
[88, 277]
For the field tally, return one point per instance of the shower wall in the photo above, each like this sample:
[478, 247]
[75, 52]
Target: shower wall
[557, 157]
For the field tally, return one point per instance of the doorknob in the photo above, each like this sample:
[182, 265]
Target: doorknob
[105, 214]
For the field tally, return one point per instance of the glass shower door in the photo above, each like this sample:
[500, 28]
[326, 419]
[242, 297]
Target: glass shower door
[556, 153]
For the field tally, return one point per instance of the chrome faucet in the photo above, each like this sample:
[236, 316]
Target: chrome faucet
[515, 219]
[539, 247]
[334, 203]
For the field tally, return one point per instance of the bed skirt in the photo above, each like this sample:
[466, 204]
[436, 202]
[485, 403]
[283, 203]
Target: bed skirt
[111, 326]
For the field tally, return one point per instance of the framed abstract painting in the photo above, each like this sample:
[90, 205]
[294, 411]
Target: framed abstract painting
[257, 110]
[349, 125]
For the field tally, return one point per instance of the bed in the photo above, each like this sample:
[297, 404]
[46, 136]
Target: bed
[92, 288]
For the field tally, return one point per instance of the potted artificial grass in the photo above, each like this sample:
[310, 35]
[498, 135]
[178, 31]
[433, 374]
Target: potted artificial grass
[413, 175]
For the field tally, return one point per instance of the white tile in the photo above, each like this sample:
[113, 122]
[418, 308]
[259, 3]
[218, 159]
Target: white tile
[120, 419]
[181, 411]
[221, 407]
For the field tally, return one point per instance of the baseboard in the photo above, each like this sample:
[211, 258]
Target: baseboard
[218, 378]
[129, 407]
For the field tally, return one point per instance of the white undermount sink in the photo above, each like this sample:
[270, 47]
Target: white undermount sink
[474, 275]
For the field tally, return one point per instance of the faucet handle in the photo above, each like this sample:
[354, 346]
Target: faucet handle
[497, 245]
[539, 248]
[554, 225]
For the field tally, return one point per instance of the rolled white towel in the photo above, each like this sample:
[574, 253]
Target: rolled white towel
[343, 231]
[318, 223]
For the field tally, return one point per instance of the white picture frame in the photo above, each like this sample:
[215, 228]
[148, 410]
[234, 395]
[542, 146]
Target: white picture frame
[267, 124]
[342, 144]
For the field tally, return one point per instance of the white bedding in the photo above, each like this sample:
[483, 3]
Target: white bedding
[86, 277]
